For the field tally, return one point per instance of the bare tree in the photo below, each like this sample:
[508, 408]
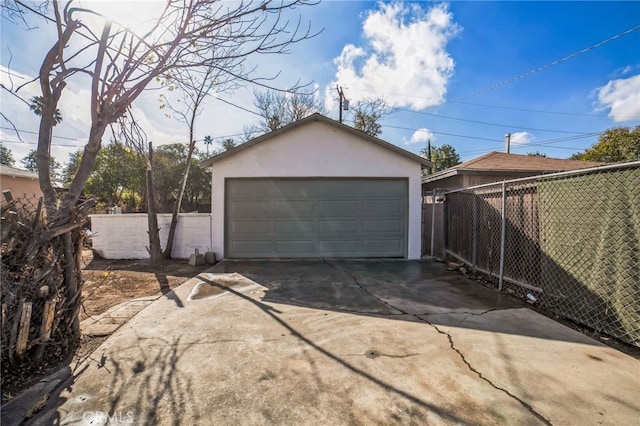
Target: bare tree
[117, 65]
[279, 108]
[368, 113]
[196, 84]
[120, 64]
[133, 135]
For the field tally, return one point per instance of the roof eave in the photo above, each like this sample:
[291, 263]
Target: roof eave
[440, 175]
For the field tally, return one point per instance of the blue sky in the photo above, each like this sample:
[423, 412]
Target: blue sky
[428, 59]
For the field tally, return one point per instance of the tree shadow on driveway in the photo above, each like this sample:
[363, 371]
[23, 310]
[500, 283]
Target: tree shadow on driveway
[447, 415]
[500, 341]
[397, 289]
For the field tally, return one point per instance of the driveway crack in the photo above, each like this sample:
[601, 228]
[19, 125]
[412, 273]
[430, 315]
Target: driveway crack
[482, 377]
[465, 313]
[357, 283]
[452, 345]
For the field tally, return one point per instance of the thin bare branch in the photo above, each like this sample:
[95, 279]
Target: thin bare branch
[17, 132]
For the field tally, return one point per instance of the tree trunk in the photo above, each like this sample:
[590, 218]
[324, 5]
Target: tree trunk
[70, 279]
[51, 92]
[155, 249]
[183, 185]
[178, 204]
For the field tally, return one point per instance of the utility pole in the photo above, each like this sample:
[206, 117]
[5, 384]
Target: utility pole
[429, 155]
[507, 142]
[343, 102]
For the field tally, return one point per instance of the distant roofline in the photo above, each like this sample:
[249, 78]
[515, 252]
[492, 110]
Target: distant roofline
[15, 172]
[464, 168]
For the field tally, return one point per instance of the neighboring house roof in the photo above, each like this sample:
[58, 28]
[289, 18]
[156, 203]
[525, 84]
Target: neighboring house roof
[500, 162]
[13, 172]
[317, 117]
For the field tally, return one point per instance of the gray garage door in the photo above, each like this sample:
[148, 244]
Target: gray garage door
[285, 218]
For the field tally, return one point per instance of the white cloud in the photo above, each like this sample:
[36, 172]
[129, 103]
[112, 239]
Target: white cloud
[622, 98]
[406, 60]
[421, 136]
[521, 138]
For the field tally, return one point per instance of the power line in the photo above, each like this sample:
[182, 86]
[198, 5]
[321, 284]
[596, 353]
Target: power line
[82, 142]
[29, 132]
[549, 65]
[441, 133]
[482, 105]
[535, 110]
[487, 123]
[36, 143]
[548, 143]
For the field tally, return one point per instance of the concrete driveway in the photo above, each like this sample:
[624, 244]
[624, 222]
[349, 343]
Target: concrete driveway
[347, 342]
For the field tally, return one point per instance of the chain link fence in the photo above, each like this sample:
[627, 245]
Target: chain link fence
[569, 242]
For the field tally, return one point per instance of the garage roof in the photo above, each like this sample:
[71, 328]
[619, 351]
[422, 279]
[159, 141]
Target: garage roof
[317, 117]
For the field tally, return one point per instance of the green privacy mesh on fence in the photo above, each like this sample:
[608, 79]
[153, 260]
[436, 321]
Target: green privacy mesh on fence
[571, 243]
[590, 244]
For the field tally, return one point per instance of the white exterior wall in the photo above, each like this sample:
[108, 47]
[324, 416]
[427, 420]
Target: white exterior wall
[317, 150]
[124, 236]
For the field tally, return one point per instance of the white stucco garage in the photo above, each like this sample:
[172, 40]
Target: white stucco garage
[316, 188]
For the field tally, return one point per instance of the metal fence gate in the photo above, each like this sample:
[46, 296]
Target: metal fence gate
[570, 241]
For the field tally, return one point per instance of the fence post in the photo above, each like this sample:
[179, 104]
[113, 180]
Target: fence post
[474, 232]
[502, 234]
[23, 334]
[445, 226]
[433, 222]
[48, 315]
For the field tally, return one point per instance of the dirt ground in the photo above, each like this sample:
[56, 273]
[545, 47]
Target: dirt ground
[107, 284]
[110, 282]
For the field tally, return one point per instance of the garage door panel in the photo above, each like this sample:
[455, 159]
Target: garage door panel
[383, 246]
[295, 226]
[251, 209]
[293, 189]
[339, 247]
[339, 189]
[338, 208]
[383, 208]
[316, 218]
[295, 247]
[382, 188]
[254, 247]
[249, 188]
[252, 226]
[333, 226]
[294, 208]
[395, 226]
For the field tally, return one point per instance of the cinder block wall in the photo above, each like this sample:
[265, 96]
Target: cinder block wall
[124, 236]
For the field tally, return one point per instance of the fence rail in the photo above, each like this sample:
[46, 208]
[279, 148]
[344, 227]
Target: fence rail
[570, 241]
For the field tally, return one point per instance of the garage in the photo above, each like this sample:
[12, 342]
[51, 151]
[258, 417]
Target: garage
[289, 218]
[316, 188]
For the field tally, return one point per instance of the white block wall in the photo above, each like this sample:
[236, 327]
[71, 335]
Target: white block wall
[125, 236]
